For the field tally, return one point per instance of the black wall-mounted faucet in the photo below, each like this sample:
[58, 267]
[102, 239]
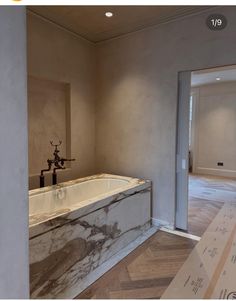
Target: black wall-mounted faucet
[58, 163]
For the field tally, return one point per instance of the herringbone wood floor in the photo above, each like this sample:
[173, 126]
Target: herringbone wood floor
[146, 272]
[207, 195]
[200, 214]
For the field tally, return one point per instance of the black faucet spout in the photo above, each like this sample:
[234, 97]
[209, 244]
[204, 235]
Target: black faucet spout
[58, 163]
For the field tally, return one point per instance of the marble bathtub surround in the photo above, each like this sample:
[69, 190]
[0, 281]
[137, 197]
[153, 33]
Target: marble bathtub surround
[66, 245]
[46, 220]
[111, 262]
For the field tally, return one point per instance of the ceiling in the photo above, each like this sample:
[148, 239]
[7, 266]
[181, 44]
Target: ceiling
[91, 23]
[208, 76]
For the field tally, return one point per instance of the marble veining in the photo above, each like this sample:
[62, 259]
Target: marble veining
[43, 222]
[65, 249]
[106, 266]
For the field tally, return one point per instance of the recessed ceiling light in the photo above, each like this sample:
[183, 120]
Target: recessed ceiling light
[108, 14]
[218, 78]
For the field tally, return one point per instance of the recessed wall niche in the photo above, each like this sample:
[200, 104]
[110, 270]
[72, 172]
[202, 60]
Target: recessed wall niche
[48, 119]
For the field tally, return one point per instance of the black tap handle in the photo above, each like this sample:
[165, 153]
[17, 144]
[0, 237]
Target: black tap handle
[58, 164]
[64, 160]
[56, 145]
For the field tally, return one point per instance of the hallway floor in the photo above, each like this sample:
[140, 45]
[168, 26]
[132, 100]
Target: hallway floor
[207, 195]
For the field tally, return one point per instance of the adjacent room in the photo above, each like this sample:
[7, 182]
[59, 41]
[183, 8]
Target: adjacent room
[212, 128]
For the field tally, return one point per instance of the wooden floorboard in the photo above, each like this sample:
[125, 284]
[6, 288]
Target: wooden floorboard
[146, 272]
[200, 214]
[207, 195]
[210, 270]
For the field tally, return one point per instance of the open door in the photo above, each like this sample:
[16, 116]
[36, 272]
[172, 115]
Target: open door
[182, 150]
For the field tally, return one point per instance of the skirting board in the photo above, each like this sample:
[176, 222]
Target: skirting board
[110, 263]
[180, 233]
[216, 172]
[164, 226]
[160, 223]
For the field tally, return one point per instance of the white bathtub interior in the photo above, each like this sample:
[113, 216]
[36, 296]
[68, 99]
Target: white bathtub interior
[66, 196]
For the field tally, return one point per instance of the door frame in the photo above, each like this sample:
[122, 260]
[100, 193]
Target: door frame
[181, 172]
[182, 150]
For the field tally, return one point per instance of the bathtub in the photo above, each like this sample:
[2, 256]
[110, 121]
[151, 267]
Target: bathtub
[75, 227]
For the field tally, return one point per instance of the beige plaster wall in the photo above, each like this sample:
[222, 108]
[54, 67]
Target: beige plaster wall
[57, 55]
[215, 128]
[136, 94]
[48, 103]
[137, 98]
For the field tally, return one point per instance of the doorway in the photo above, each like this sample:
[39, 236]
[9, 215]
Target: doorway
[209, 177]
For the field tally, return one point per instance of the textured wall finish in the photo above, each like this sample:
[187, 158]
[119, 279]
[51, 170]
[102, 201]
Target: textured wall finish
[136, 81]
[57, 55]
[48, 119]
[14, 259]
[137, 98]
[215, 127]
